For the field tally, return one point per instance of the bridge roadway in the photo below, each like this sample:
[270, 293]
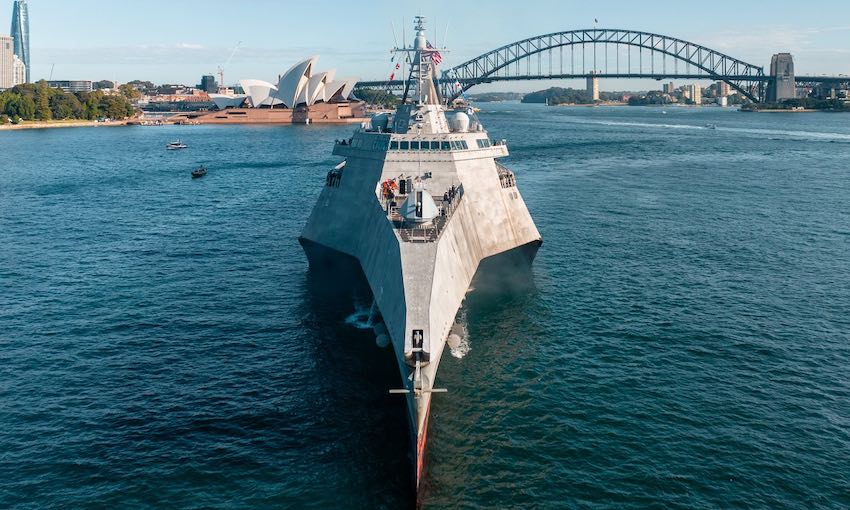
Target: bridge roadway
[395, 85]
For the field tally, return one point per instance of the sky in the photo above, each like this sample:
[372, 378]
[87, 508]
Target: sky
[177, 41]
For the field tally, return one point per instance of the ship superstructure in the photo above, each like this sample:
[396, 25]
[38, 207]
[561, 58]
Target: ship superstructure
[419, 200]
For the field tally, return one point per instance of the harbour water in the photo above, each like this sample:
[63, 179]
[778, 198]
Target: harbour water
[686, 343]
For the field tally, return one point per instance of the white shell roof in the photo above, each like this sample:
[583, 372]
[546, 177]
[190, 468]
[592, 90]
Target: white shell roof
[259, 91]
[340, 88]
[223, 101]
[315, 89]
[298, 85]
[290, 85]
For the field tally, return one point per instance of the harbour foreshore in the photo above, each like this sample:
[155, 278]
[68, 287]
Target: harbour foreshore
[44, 124]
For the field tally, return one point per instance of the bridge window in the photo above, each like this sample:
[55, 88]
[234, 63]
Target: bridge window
[435, 146]
[414, 146]
[483, 143]
[445, 146]
[463, 145]
[405, 146]
[393, 146]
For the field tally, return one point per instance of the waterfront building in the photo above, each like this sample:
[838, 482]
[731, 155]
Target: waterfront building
[21, 34]
[593, 86]
[298, 86]
[782, 84]
[208, 83]
[723, 89]
[668, 88]
[7, 62]
[19, 71]
[692, 92]
[301, 95]
[71, 85]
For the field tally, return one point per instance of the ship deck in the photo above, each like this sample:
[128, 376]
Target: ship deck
[422, 232]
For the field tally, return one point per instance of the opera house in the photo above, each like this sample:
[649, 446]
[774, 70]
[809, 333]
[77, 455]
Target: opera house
[301, 95]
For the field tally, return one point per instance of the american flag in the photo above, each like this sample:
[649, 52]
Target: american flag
[436, 58]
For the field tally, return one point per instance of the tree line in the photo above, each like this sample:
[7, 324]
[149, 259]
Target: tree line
[559, 95]
[37, 101]
[377, 97]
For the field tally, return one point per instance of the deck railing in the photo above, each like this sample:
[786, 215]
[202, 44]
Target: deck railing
[427, 231]
[506, 177]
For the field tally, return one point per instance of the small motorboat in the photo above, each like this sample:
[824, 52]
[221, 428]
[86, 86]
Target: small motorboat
[710, 126]
[175, 145]
[199, 172]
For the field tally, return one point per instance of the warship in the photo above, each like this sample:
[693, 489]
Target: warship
[420, 205]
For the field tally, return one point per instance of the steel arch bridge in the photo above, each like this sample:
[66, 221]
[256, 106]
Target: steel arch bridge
[600, 52]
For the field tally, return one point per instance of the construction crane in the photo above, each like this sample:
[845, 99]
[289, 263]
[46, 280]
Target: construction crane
[221, 67]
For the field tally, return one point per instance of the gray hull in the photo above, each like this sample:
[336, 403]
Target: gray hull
[419, 280]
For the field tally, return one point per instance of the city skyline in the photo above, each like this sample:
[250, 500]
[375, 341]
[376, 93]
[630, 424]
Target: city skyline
[172, 46]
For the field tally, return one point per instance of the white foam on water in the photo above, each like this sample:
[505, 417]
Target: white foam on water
[360, 318]
[806, 135]
[462, 348]
[813, 135]
[460, 330]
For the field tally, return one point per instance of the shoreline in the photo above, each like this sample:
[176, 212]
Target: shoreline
[789, 111]
[46, 124]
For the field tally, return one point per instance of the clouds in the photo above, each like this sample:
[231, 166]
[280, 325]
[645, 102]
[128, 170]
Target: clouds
[185, 62]
[181, 53]
[817, 45]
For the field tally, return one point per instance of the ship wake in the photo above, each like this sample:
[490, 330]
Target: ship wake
[459, 346]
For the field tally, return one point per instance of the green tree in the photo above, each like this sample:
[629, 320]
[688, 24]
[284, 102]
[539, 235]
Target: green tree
[113, 107]
[103, 84]
[377, 97]
[20, 106]
[65, 106]
[90, 102]
[141, 85]
[558, 95]
[129, 92]
[42, 101]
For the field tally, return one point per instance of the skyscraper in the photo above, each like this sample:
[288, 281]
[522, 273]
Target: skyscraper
[7, 63]
[21, 33]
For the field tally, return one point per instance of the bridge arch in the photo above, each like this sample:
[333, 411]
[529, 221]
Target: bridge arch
[492, 66]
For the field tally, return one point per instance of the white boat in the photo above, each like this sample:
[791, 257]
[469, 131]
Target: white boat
[175, 145]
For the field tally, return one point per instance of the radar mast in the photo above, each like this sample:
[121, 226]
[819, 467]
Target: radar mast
[423, 59]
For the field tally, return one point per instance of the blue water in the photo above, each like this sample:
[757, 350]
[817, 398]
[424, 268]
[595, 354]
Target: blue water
[686, 345]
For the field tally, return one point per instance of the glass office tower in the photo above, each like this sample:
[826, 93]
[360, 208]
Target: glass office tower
[21, 33]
